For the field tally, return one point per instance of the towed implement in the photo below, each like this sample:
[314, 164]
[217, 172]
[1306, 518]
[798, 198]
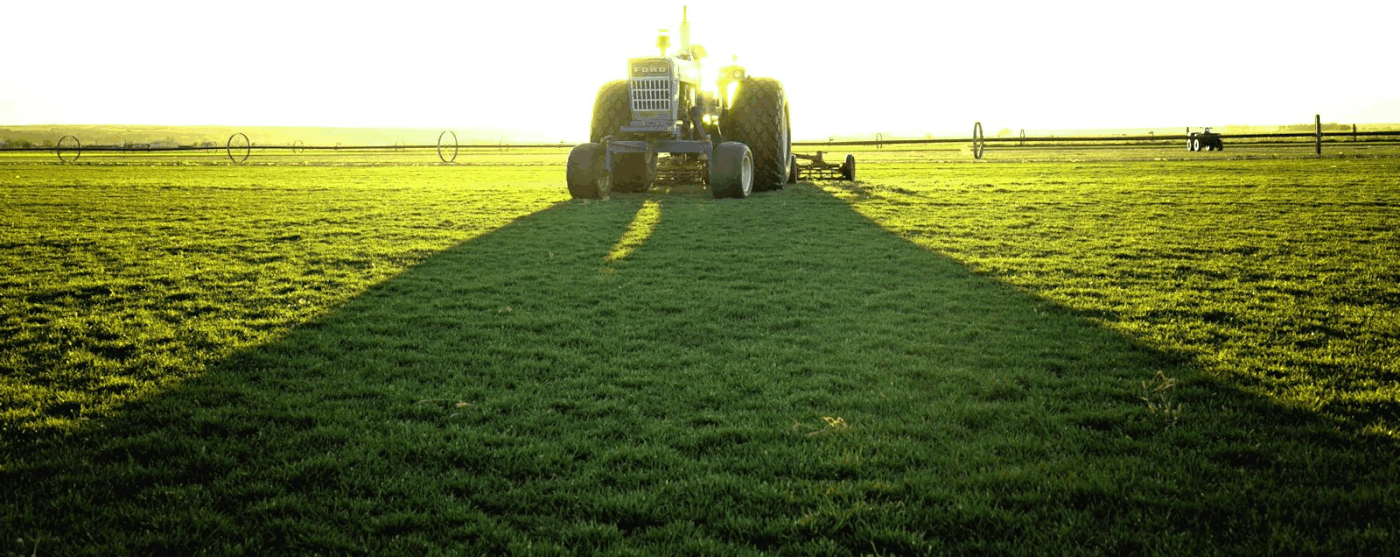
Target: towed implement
[661, 125]
[818, 169]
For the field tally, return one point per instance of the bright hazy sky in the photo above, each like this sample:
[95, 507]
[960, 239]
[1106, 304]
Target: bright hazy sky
[849, 67]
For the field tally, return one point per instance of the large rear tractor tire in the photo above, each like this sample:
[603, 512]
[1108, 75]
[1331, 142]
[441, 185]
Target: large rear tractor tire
[585, 174]
[611, 110]
[758, 117]
[848, 170]
[732, 170]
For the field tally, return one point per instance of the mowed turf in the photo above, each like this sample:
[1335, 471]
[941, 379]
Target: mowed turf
[1280, 276]
[120, 281]
[666, 373]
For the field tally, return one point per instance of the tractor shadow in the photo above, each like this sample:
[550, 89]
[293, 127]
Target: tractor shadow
[754, 371]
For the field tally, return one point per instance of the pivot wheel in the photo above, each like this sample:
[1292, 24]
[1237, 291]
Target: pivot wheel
[758, 117]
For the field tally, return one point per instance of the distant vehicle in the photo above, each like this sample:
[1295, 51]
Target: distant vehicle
[1208, 140]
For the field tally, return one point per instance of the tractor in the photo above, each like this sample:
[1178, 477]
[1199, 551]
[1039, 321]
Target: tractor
[1206, 140]
[661, 125]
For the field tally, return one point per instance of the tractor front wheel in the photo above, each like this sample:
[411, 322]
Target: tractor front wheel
[732, 170]
[584, 172]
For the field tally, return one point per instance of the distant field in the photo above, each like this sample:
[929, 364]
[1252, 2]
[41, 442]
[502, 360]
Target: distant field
[1098, 351]
[310, 157]
[1157, 152]
[552, 155]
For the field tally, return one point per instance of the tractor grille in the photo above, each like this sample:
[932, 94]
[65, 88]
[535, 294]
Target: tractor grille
[651, 93]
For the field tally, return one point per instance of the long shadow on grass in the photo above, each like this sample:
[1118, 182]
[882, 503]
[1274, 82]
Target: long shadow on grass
[777, 374]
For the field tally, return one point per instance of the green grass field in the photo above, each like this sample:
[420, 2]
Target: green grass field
[1102, 353]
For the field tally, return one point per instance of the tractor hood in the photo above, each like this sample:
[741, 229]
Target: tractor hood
[684, 71]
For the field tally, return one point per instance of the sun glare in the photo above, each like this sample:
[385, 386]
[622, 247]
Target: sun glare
[531, 72]
[643, 224]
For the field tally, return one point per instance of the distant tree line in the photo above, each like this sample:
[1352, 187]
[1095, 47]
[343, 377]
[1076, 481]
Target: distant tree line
[1297, 128]
[24, 143]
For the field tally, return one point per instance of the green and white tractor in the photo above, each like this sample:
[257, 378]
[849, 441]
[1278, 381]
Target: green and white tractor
[662, 125]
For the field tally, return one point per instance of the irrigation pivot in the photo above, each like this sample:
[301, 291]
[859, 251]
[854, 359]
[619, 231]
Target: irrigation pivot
[979, 143]
[442, 147]
[238, 148]
[68, 143]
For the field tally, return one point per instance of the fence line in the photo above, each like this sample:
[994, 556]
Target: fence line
[1028, 139]
[295, 148]
[977, 140]
[1091, 139]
